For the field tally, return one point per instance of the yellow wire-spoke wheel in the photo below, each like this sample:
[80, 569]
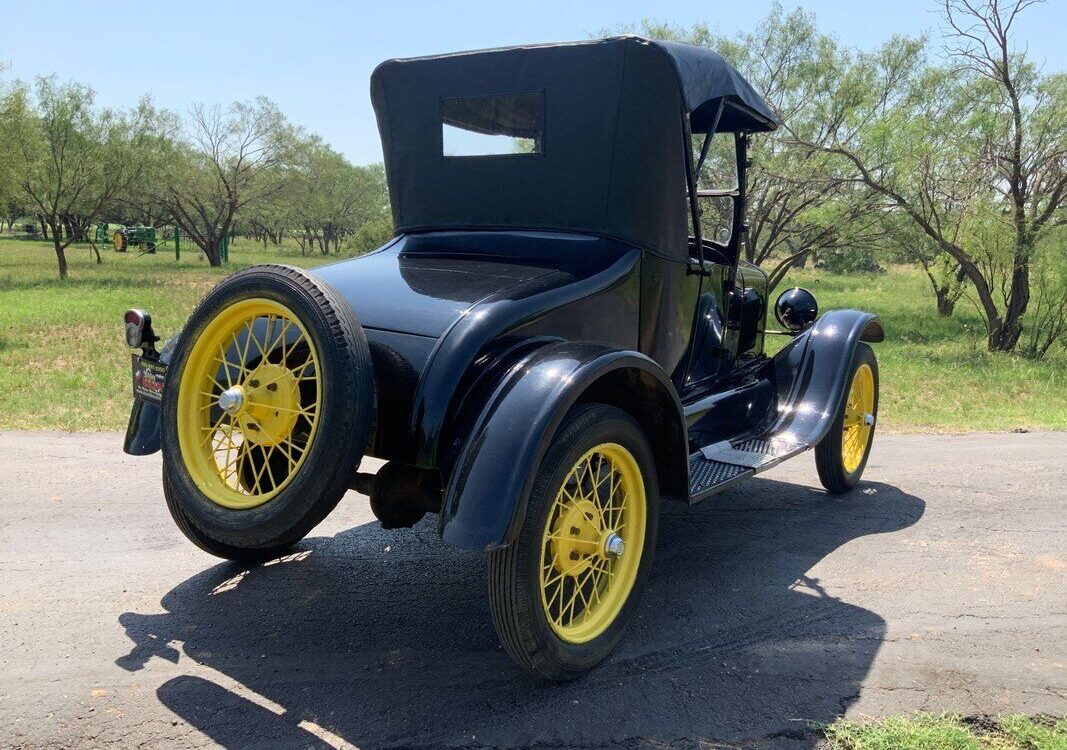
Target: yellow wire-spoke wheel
[858, 419]
[118, 239]
[592, 543]
[249, 403]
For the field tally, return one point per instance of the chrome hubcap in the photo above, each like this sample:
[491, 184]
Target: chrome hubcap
[232, 399]
[868, 419]
[614, 546]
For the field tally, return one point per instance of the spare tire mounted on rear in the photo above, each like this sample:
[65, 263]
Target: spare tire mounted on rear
[266, 413]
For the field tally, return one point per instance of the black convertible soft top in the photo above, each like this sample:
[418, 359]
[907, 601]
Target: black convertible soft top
[604, 129]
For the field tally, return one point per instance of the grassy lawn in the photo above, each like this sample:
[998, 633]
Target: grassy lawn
[949, 732]
[63, 363]
[936, 375]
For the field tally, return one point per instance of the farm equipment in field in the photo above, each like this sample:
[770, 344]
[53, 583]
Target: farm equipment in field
[150, 239]
[139, 236]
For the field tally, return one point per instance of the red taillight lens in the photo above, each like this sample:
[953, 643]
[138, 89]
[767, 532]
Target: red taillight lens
[135, 324]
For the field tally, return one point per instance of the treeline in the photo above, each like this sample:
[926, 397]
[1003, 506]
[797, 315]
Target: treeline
[70, 164]
[950, 154]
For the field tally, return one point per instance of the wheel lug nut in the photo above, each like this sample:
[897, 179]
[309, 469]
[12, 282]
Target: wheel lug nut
[253, 383]
[574, 555]
[575, 530]
[272, 386]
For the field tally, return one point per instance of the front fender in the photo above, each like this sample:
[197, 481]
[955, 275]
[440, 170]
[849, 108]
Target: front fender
[811, 373]
[485, 498]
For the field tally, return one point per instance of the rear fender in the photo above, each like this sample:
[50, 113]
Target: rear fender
[811, 373]
[485, 498]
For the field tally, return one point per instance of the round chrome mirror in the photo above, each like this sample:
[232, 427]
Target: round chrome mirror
[796, 309]
[724, 236]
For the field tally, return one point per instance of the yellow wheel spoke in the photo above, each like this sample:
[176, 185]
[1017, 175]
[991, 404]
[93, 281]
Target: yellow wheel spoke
[286, 446]
[236, 346]
[270, 470]
[280, 338]
[248, 345]
[213, 429]
[255, 340]
[225, 366]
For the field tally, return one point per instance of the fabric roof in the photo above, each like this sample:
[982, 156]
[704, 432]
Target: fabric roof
[610, 143]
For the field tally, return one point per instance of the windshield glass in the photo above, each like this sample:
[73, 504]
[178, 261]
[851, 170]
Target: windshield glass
[717, 173]
[719, 168]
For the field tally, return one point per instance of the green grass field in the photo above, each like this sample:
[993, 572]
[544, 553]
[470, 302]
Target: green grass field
[948, 732]
[64, 365]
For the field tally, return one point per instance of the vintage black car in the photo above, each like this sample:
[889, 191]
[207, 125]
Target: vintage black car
[546, 349]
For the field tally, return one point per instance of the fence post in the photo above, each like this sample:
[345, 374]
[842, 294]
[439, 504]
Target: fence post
[177, 244]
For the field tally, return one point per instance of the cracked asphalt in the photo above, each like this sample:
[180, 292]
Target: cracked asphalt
[940, 584]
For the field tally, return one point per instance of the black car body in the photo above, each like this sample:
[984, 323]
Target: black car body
[570, 270]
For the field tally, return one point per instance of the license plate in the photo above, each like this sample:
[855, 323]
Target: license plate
[148, 376]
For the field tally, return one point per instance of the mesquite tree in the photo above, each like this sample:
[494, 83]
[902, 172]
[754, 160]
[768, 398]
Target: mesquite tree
[71, 160]
[227, 161]
[973, 153]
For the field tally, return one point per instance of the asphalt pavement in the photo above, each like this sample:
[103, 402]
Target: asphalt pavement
[939, 584]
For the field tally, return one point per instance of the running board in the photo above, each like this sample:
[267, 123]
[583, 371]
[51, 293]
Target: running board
[717, 466]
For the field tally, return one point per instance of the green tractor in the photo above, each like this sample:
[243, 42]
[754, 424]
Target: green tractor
[139, 236]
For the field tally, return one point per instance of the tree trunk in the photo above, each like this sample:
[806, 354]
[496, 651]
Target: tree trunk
[61, 253]
[44, 227]
[213, 251]
[946, 304]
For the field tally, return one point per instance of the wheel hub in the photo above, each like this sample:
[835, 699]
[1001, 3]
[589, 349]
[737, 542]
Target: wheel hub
[614, 545]
[232, 400]
[576, 537]
[271, 405]
[579, 539]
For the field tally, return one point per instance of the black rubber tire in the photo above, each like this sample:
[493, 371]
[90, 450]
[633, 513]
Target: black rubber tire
[514, 593]
[341, 437]
[828, 459]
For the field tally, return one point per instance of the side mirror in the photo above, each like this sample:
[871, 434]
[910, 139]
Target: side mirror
[724, 236]
[796, 309]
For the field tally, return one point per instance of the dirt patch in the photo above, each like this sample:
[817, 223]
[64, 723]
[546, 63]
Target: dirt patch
[981, 724]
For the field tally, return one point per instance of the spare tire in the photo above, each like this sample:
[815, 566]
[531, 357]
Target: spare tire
[267, 407]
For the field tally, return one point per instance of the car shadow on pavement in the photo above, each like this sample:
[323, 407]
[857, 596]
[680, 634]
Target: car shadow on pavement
[384, 638]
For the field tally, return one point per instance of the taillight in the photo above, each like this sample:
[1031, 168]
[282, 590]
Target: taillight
[139, 329]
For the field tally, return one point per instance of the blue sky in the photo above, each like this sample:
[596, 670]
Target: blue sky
[314, 58]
